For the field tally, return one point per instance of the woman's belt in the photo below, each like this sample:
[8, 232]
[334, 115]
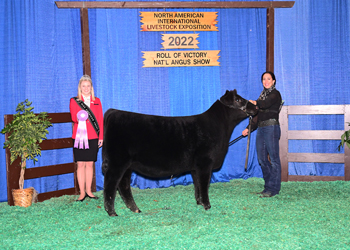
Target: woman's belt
[269, 122]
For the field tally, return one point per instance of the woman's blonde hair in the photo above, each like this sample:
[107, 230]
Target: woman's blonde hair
[86, 78]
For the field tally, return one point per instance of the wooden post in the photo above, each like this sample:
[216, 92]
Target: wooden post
[283, 119]
[346, 149]
[85, 41]
[270, 36]
[12, 170]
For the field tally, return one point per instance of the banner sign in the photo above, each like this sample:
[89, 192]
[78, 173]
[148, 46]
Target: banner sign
[180, 58]
[178, 21]
[180, 41]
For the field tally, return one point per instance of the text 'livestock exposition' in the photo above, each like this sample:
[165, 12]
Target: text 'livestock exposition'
[178, 21]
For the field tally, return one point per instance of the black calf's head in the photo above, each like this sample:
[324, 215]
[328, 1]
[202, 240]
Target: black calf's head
[232, 100]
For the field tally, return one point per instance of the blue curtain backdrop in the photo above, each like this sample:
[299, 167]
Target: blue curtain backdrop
[41, 59]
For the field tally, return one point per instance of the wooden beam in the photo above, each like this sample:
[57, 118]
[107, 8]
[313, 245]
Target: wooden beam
[66, 168]
[315, 134]
[270, 39]
[169, 5]
[60, 143]
[85, 41]
[55, 117]
[310, 178]
[60, 117]
[57, 193]
[316, 157]
[316, 110]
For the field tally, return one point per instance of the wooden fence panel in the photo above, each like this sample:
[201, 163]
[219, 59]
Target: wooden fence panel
[286, 135]
[13, 170]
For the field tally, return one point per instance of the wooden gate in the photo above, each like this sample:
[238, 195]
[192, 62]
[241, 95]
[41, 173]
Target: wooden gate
[286, 135]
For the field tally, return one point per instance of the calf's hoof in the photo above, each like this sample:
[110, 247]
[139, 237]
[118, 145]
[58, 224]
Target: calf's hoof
[207, 207]
[135, 210]
[112, 214]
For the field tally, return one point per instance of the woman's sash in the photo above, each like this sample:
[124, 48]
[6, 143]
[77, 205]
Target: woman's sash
[92, 117]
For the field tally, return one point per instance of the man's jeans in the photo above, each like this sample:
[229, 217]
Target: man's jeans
[267, 143]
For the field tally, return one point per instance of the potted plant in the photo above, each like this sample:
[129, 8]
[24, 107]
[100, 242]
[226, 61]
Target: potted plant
[25, 132]
[345, 139]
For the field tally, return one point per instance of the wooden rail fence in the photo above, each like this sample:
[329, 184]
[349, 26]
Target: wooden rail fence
[13, 170]
[286, 135]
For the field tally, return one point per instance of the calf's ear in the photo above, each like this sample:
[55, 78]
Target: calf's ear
[235, 92]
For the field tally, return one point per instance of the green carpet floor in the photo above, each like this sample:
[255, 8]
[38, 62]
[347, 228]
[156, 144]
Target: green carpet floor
[304, 216]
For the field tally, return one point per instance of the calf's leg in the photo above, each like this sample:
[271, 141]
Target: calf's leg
[125, 192]
[111, 181]
[204, 181]
[196, 186]
[202, 175]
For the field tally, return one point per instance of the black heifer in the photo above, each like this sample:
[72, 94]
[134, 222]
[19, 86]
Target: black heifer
[158, 146]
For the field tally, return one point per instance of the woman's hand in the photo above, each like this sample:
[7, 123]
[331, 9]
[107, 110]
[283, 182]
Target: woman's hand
[100, 143]
[254, 102]
[245, 132]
